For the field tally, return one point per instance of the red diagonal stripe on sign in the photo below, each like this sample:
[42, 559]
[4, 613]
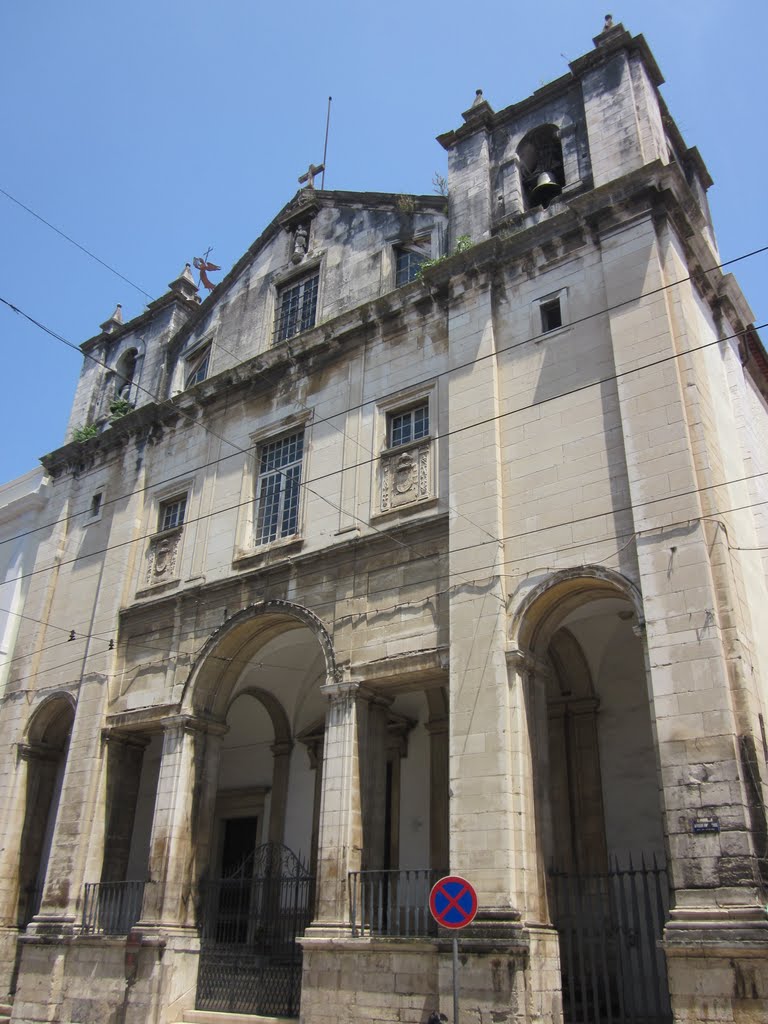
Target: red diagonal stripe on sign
[453, 902]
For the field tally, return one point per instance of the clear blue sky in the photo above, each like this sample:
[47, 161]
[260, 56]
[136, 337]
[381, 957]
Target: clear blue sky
[153, 129]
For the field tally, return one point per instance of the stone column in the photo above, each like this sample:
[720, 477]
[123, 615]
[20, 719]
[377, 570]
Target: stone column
[340, 844]
[124, 759]
[314, 745]
[281, 765]
[511, 197]
[571, 169]
[481, 804]
[181, 828]
[373, 741]
[438, 793]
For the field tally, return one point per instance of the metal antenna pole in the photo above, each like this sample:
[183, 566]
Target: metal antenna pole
[325, 147]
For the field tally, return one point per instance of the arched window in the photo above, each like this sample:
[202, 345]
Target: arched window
[541, 166]
[125, 374]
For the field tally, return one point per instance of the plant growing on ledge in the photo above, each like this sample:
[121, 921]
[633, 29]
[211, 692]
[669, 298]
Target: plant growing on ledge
[463, 242]
[85, 433]
[118, 408]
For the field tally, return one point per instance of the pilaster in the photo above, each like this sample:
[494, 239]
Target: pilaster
[181, 827]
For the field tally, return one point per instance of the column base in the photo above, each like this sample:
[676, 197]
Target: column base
[148, 975]
[509, 973]
[717, 960]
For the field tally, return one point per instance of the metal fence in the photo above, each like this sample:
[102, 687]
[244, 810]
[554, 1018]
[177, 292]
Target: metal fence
[111, 908]
[250, 961]
[610, 926]
[392, 902]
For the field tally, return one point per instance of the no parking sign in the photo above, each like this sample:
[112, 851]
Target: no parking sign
[453, 904]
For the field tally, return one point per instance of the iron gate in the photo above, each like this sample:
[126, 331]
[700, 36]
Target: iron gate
[250, 961]
[610, 925]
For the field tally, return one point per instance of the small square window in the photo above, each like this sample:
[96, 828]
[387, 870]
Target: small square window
[551, 315]
[197, 366]
[296, 307]
[407, 426]
[172, 513]
[408, 261]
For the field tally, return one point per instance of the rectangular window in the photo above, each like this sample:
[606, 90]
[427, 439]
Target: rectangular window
[551, 315]
[277, 492]
[411, 425]
[96, 500]
[197, 366]
[296, 307]
[408, 260]
[172, 513]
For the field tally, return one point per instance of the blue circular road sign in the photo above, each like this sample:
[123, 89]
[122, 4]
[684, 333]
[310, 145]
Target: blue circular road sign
[453, 902]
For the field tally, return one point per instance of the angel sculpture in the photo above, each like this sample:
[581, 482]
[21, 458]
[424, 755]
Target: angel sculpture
[201, 263]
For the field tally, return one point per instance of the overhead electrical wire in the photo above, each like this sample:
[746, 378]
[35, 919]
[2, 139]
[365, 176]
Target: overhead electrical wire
[305, 484]
[361, 405]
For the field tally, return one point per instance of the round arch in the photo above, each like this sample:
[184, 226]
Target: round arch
[210, 683]
[51, 721]
[548, 604]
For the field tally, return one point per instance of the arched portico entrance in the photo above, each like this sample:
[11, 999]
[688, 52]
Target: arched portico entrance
[262, 679]
[597, 793]
[45, 754]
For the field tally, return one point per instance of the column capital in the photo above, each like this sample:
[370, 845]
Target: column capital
[124, 739]
[437, 726]
[36, 752]
[192, 724]
[521, 660]
[339, 692]
[282, 748]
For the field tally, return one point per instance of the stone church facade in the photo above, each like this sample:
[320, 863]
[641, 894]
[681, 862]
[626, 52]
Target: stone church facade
[432, 541]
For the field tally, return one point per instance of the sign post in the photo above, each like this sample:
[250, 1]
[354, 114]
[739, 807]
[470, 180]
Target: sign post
[453, 904]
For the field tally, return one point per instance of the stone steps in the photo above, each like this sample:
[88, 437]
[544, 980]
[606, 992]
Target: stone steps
[5, 1012]
[211, 1017]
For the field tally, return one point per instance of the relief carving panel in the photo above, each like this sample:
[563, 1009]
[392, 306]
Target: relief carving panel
[405, 477]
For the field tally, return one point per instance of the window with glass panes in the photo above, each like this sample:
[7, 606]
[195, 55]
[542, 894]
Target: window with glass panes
[172, 513]
[197, 366]
[296, 307]
[407, 426]
[277, 492]
[407, 264]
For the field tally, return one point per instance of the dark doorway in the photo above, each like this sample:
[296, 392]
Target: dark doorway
[239, 843]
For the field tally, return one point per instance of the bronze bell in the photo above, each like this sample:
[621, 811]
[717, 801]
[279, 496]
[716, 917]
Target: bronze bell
[545, 190]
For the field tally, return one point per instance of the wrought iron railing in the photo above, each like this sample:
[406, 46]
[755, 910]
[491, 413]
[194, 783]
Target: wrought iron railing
[392, 902]
[111, 908]
[610, 926]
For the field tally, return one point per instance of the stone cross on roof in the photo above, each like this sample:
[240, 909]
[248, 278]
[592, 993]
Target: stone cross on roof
[309, 177]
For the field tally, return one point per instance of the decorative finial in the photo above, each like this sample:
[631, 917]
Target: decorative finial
[309, 177]
[184, 285]
[203, 264]
[478, 97]
[113, 322]
[608, 22]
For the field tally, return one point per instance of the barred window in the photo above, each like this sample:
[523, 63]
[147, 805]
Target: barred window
[296, 307]
[172, 513]
[411, 425]
[277, 492]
